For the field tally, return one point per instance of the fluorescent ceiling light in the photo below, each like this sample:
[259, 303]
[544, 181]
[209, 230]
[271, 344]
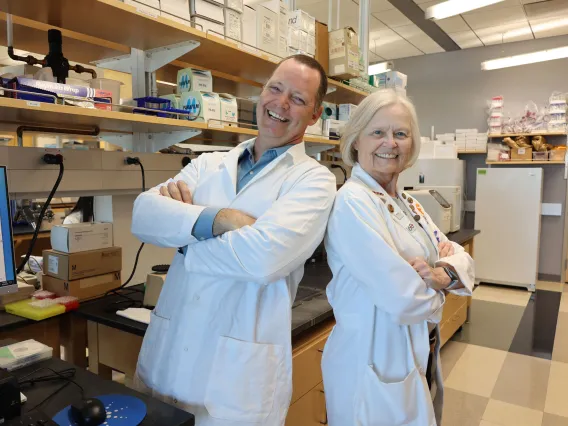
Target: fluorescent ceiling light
[379, 68]
[528, 58]
[456, 7]
[167, 83]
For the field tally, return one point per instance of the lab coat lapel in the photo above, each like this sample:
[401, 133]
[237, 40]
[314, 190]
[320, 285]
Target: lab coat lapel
[231, 163]
[420, 217]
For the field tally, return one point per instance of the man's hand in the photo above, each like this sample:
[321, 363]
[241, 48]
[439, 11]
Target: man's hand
[231, 220]
[446, 249]
[435, 278]
[178, 191]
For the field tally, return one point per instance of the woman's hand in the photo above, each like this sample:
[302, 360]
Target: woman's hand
[435, 278]
[446, 249]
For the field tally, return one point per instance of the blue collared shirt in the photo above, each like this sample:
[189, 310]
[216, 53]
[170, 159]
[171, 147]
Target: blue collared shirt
[246, 170]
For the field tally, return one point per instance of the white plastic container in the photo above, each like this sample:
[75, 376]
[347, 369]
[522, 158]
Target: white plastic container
[112, 86]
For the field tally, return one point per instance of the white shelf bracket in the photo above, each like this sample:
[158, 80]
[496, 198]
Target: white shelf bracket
[153, 58]
[330, 89]
[149, 142]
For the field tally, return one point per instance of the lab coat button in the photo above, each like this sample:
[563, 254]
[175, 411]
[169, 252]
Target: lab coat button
[252, 173]
[175, 401]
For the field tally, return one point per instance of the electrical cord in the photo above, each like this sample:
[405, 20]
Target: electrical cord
[49, 159]
[65, 375]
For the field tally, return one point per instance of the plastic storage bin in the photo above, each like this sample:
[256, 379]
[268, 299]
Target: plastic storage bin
[540, 156]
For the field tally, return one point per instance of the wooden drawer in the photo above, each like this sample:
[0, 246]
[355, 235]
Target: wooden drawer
[450, 326]
[309, 410]
[306, 366]
[453, 303]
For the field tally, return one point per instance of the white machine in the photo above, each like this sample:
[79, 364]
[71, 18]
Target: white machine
[454, 196]
[436, 206]
[507, 212]
[433, 172]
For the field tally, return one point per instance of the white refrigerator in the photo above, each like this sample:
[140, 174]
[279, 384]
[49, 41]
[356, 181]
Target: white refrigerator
[507, 212]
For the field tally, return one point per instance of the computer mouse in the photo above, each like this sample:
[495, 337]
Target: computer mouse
[88, 412]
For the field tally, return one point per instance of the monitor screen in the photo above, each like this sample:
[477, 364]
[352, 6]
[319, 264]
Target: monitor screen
[7, 267]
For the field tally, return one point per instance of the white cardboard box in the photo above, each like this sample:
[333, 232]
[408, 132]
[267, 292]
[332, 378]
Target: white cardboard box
[233, 24]
[235, 5]
[179, 8]
[294, 38]
[202, 106]
[189, 79]
[175, 19]
[303, 21]
[282, 46]
[249, 28]
[229, 109]
[345, 111]
[81, 237]
[311, 45]
[303, 41]
[283, 19]
[214, 28]
[152, 11]
[207, 10]
[266, 30]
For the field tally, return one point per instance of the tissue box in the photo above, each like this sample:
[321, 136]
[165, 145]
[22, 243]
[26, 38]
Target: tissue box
[190, 79]
[179, 8]
[202, 106]
[329, 111]
[346, 111]
[81, 237]
[208, 10]
[302, 21]
[343, 54]
[233, 24]
[229, 109]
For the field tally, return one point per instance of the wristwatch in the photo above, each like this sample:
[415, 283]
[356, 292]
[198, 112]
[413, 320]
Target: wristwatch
[453, 277]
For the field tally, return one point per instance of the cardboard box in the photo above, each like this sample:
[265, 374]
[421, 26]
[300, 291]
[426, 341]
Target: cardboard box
[236, 5]
[147, 7]
[81, 237]
[282, 46]
[393, 80]
[266, 30]
[175, 19]
[345, 111]
[229, 109]
[202, 106]
[302, 21]
[311, 45]
[73, 266]
[303, 41]
[329, 111]
[322, 45]
[343, 54]
[190, 79]
[521, 154]
[208, 10]
[294, 38]
[283, 16]
[179, 8]
[84, 288]
[249, 29]
[207, 26]
[233, 24]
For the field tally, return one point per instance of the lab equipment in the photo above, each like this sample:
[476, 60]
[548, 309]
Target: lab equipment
[190, 79]
[229, 109]
[436, 206]
[507, 250]
[202, 106]
[7, 264]
[453, 195]
[154, 283]
[433, 172]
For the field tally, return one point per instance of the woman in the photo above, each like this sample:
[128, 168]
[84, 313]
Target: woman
[82, 212]
[391, 270]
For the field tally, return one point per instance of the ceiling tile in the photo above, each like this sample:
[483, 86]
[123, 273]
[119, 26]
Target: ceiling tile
[552, 9]
[393, 18]
[380, 5]
[549, 27]
[390, 45]
[505, 33]
[373, 58]
[453, 25]
[418, 38]
[375, 24]
[493, 18]
[466, 39]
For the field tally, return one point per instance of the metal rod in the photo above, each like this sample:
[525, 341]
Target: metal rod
[330, 15]
[9, 29]
[364, 32]
[337, 15]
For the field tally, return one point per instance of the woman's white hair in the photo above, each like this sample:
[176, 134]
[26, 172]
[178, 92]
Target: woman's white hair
[363, 115]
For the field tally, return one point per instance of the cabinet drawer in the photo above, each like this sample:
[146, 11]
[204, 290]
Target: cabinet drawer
[453, 303]
[306, 367]
[309, 410]
[451, 325]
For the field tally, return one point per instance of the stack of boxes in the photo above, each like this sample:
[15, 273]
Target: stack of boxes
[83, 262]
[301, 33]
[234, 19]
[557, 110]
[470, 140]
[343, 54]
[265, 26]
[390, 80]
[334, 118]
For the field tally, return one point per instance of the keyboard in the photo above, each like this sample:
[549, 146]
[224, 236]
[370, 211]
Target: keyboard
[32, 418]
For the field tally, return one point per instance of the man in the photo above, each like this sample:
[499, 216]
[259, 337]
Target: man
[219, 341]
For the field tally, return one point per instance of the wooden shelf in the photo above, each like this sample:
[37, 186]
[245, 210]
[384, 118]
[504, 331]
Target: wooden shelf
[526, 163]
[472, 152]
[113, 27]
[504, 135]
[15, 112]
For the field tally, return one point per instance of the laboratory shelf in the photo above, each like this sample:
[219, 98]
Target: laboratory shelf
[17, 112]
[113, 27]
[472, 152]
[504, 135]
[526, 163]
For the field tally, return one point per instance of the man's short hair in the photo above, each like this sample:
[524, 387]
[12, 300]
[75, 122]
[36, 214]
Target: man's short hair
[315, 65]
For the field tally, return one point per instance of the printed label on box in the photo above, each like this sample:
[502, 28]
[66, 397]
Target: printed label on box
[336, 47]
[521, 151]
[53, 265]
[339, 69]
[268, 30]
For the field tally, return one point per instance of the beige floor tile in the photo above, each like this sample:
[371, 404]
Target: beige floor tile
[564, 302]
[462, 408]
[557, 389]
[506, 414]
[451, 353]
[477, 370]
[550, 286]
[560, 351]
[552, 420]
[508, 295]
[523, 381]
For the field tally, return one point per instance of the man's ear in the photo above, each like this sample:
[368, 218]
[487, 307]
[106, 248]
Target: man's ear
[316, 115]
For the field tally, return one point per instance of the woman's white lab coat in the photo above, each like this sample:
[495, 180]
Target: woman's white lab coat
[375, 360]
[219, 340]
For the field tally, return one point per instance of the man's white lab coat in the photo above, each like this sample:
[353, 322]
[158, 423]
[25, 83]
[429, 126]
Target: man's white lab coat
[219, 341]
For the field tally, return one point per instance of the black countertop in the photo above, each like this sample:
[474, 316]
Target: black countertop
[461, 236]
[26, 229]
[158, 413]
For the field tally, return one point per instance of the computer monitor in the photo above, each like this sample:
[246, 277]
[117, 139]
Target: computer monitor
[8, 282]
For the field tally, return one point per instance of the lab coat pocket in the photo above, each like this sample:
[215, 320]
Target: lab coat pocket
[392, 404]
[153, 354]
[243, 380]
